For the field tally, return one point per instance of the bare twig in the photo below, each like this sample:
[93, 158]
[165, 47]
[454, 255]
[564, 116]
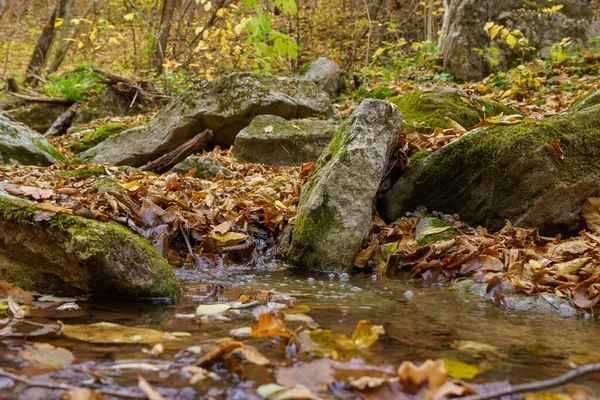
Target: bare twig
[45, 100]
[539, 385]
[166, 162]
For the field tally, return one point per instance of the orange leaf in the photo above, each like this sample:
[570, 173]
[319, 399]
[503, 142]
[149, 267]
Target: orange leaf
[268, 325]
[557, 150]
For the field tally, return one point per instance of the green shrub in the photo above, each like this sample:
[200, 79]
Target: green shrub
[75, 85]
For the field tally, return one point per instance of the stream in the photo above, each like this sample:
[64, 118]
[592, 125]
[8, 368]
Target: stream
[419, 323]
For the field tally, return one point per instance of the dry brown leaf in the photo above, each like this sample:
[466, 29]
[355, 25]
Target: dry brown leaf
[252, 354]
[591, 213]
[432, 372]
[362, 259]
[148, 390]
[557, 150]
[268, 325]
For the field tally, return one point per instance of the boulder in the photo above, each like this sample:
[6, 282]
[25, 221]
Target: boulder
[226, 105]
[19, 145]
[94, 137]
[67, 254]
[589, 100]
[206, 167]
[500, 172]
[468, 17]
[39, 117]
[275, 141]
[327, 74]
[428, 109]
[108, 103]
[335, 209]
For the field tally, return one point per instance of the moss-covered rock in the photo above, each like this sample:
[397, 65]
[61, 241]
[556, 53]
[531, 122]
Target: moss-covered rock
[225, 105]
[19, 145]
[206, 167]
[428, 110]
[336, 203]
[39, 117]
[275, 141]
[91, 139]
[67, 254]
[501, 172]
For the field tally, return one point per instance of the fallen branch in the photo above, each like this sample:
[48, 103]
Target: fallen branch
[128, 86]
[62, 123]
[539, 385]
[169, 160]
[45, 100]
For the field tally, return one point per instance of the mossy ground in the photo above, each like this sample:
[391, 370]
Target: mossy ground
[83, 173]
[438, 237]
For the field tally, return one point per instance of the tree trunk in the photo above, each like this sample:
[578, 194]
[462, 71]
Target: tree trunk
[429, 33]
[168, 9]
[3, 7]
[42, 49]
[64, 46]
[445, 24]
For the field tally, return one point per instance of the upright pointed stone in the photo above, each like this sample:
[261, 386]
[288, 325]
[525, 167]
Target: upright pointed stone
[336, 204]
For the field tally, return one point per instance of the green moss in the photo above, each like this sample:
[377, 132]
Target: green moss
[53, 151]
[92, 139]
[438, 237]
[15, 209]
[83, 173]
[417, 158]
[381, 93]
[430, 109]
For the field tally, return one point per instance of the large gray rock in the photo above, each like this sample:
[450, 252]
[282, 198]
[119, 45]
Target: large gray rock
[39, 117]
[275, 141]
[327, 74]
[63, 253]
[336, 203]
[19, 145]
[206, 167]
[225, 105]
[501, 172]
[468, 17]
[108, 103]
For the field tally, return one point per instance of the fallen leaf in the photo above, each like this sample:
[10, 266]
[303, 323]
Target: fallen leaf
[210, 309]
[15, 309]
[106, 332]
[268, 129]
[222, 228]
[306, 319]
[229, 238]
[57, 299]
[591, 213]
[455, 125]
[198, 373]
[252, 354]
[433, 231]
[148, 390]
[316, 375]
[268, 325]
[53, 208]
[460, 370]
[49, 356]
[432, 372]
[557, 150]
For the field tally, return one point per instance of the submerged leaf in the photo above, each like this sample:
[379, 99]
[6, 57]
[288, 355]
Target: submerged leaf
[460, 370]
[106, 332]
[49, 356]
[210, 309]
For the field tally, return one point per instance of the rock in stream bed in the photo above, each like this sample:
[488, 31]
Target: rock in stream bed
[68, 254]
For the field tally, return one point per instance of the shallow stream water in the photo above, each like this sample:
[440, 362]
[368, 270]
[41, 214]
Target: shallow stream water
[419, 323]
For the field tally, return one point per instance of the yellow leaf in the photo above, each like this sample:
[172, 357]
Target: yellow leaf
[221, 12]
[133, 185]
[75, 21]
[460, 370]
[488, 26]
[207, 6]
[494, 31]
[228, 239]
[511, 40]
[58, 22]
[53, 208]
[379, 51]
[128, 17]
[113, 40]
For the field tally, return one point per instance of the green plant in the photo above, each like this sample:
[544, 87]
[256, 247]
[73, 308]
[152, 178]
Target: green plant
[75, 85]
[557, 51]
[269, 46]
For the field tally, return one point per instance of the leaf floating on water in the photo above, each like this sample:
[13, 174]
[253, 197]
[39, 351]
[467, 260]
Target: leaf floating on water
[591, 213]
[252, 354]
[301, 318]
[273, 391]
[241, 333]
[68, 306]
[432, 372]
[211, 309]
[198, 373]
[460, 370]
[106, 332]
[15, 309]
[49, 356]
[316, 375]
[139, 366]
[268, 325]
[57, 299]
[363, 337]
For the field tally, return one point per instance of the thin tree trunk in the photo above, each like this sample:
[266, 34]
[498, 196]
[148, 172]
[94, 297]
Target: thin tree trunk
[12, 35]
[445, 24]
[66, 17]
[42, 49]
[63, 48]
[168, 8]
[429, 32]
[3, 7]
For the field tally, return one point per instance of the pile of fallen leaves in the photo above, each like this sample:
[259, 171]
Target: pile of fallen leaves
[509, 261]
[182, 216]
